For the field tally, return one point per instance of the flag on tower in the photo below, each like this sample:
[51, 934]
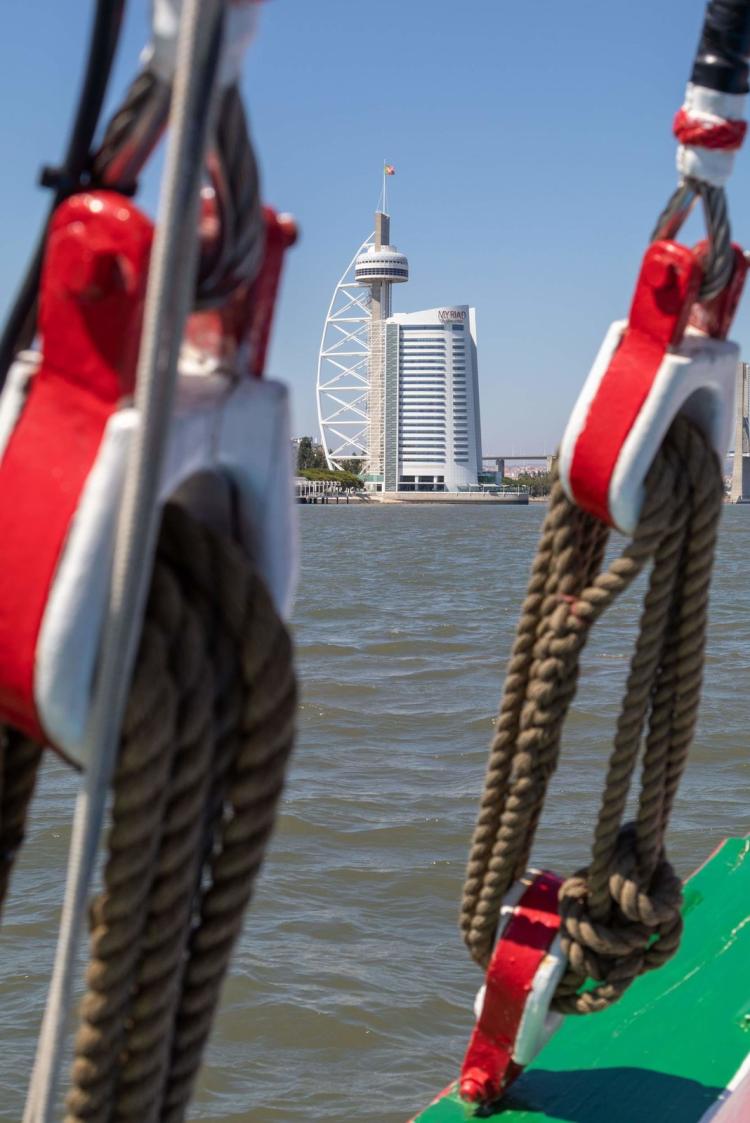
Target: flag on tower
[388, 169]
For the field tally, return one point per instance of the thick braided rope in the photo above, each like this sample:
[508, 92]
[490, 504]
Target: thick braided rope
[208, 731]
[630, 886]
[629, 894]
[558, 533]
[118, 915]
[263, 736]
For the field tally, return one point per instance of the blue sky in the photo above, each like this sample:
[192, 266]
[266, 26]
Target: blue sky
[533, 149]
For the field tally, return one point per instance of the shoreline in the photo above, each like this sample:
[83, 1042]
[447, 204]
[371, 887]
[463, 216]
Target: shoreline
[437, 498]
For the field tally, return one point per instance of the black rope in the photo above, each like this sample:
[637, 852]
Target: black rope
[71, 176]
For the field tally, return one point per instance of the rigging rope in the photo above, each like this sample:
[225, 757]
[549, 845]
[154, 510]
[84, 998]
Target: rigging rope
[168, 296]
[20, 325]
[621, 914]
[207, 733]
[19, 763]
[133, 133]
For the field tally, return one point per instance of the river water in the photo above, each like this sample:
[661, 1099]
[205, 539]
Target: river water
[351, 992]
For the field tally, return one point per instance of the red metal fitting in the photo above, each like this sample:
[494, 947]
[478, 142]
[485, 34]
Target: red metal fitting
[667, 288]
[513, 1021]
[671, 356]
[66, 429]
[281, 234]
[92, 291]
[91, 306]
[714, 317]
[240, 329]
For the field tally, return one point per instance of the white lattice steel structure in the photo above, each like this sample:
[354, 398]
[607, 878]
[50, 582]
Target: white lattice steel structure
[351, 374]
[343, 383]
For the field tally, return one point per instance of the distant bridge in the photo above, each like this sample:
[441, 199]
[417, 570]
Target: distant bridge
[499, 461]
[528, 456]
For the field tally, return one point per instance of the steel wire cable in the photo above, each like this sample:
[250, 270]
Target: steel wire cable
[133, 132]
[721, 263]
[234, 173]
[721, 255]
[129, 141]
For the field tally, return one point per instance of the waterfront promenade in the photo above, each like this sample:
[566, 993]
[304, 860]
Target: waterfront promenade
[329, 491]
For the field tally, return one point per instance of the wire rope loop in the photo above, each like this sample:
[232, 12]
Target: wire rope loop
[720, 261]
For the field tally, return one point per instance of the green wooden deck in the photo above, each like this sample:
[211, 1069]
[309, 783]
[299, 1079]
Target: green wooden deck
[666, 1051]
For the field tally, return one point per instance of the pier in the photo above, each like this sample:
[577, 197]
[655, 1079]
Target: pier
[325, 491]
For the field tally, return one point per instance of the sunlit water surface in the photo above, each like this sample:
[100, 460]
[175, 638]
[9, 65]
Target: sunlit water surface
[350, 994]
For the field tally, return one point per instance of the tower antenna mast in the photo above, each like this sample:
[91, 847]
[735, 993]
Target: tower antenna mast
[388, 170]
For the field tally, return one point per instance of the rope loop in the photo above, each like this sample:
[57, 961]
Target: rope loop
[621, 914]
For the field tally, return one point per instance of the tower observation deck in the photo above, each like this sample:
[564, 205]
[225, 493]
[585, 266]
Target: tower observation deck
[380, 266]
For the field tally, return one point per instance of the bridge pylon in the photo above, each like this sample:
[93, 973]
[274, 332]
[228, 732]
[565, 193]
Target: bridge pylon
[740, 489]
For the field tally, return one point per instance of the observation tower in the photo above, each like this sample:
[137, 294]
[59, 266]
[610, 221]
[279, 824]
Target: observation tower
[398, 394]
[351, 361]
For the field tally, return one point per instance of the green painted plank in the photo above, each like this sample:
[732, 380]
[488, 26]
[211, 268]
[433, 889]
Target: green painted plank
[668, 1048]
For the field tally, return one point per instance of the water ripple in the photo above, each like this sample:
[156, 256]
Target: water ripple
[350, 995]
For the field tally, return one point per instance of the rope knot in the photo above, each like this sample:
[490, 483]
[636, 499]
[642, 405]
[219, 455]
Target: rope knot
[654, 905]
[613, 944]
